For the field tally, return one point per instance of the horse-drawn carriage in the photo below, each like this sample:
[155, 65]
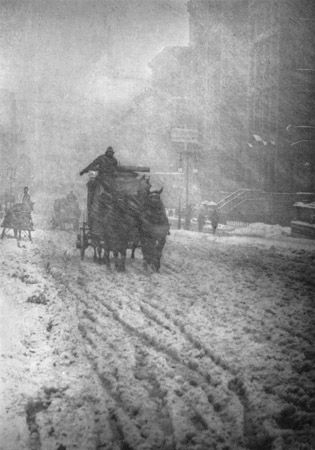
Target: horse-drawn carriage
[122, 213]
[66, 213]
[18, 218]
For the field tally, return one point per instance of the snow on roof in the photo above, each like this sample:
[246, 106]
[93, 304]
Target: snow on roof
[209, 203]
[305, 205]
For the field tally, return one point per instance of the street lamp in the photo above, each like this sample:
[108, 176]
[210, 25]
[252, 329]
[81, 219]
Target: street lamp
[185, 136]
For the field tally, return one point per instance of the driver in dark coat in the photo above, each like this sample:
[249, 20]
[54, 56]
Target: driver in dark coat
[105, 164]
[26, 200]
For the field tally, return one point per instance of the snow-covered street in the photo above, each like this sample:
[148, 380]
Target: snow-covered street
[214, 352]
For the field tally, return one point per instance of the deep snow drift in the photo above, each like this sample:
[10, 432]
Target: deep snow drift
[215, 352]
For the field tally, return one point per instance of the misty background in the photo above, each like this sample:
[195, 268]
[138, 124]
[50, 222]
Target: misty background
[68, 70]
[79, 75]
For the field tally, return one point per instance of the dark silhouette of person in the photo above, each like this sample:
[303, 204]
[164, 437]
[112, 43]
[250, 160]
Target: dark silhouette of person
[188, 216]
[26, 200]
[201, 220]
[214, 217]
[105, 164]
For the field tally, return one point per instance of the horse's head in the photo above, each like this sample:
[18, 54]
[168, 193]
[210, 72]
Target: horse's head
[154, 198]
[145, 185]
[159, 192]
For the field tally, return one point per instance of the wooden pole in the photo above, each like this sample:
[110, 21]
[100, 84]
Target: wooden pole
[187, 189]
[187, 179]
[179, 225]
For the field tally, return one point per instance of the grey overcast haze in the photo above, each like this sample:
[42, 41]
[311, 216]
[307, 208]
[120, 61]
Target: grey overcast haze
[77, 47]
[74, 64]
[157, 224]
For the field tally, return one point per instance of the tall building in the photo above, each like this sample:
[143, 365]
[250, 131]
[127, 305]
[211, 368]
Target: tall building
[219, 40]
[282, 90]
[254, 82]
[8, 137]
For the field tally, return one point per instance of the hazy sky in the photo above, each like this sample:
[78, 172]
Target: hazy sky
[75, 64]
[96, 48]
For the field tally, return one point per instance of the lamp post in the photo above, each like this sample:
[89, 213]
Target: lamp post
[12, 178]
[267, 161]
[179, 224]
[185, 136]
[175, 174]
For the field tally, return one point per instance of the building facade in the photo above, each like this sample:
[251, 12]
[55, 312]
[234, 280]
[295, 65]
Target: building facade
[8, 140]
[219, 40]
[281, 90]
[246, 83]
[254, 82]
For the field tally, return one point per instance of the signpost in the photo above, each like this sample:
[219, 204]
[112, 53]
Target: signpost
[186, 136]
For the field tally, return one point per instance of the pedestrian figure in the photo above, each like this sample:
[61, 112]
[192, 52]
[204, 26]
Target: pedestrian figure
[26, 200]
[201, 221]
[214, 217]
[201, 218]
[188, 215]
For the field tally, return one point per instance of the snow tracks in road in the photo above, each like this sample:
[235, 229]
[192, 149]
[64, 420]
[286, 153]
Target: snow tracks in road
[212, 353]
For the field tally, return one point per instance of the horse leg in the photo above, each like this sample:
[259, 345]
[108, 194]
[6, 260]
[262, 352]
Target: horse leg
[145, 253]
[99, 254]
[133, 249]
[17, 236]
[149, 253]
[100, 259]
[116, 259]
[106, 258]
[30, 235]
[122, 265]
[157, 260]
[95, 253]
[158, 253]
[160, 244]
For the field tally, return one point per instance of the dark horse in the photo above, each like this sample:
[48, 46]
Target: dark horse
[120, 220]
[19, 218]
[154, 227]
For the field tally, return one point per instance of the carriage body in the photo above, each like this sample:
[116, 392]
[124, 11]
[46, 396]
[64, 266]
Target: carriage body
[66, 215]
[18, 218]
[127, 186]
